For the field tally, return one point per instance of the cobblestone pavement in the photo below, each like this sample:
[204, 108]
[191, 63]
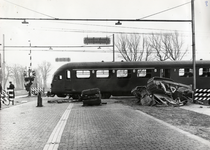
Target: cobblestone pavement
[27, 127]
[111, 126]
[115, 126]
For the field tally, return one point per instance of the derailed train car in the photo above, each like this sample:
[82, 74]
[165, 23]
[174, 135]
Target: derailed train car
[119, 78]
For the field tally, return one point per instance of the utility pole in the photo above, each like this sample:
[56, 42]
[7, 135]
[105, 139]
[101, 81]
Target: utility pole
[113, 49]
[193, 44]
[3, 65]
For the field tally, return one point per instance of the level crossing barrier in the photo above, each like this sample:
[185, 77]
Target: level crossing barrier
[36, 90]
[11, 93]
[202, 96]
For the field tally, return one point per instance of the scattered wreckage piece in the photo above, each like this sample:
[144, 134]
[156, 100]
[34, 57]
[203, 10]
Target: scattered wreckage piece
[59, 101]
[141, 93]
[174, 93]
[91, 97]
[163, 91]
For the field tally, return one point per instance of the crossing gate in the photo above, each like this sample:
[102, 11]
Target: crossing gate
[11, 95]
[202, 96]
[36, 90]
[4, 96]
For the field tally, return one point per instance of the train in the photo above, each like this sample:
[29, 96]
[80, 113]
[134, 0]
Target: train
[119, 78]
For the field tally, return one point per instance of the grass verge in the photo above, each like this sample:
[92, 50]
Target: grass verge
[192, 122]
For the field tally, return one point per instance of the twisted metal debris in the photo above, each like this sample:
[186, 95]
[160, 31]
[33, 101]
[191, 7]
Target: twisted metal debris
[163, 91]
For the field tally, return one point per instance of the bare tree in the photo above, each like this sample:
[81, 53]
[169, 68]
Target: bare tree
[168, 46]
[7, 75]
[38, 78]
[44, 69]
[17, 76]
[133, 47]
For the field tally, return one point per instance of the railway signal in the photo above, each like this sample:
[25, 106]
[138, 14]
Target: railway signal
[29, 79]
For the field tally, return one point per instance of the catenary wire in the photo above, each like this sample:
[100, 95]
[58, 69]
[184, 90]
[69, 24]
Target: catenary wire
[29, 9]
[165, 10]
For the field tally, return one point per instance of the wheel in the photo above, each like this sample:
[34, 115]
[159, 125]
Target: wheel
[76, 96]
[105, 95]
[61, 95]
[49, 94]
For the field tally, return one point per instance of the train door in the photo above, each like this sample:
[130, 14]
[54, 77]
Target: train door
[165, 73]
[123, 78]
[68, 84]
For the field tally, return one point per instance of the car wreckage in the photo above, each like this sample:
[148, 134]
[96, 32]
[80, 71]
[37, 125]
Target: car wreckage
[163, 91]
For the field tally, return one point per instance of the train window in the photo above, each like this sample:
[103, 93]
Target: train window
[122, 73]
[68, 74]
[144, 73]
[83, 74]
[141, 73]
[200, 71]
[185, 72]
[102, 73]
[204, 72]
[60, 77]
[181, 72]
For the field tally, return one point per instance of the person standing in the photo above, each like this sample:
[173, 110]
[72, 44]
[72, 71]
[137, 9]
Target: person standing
[12, 87]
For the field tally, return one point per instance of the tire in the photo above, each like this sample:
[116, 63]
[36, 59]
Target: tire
[105, 95]
[61, 95]
[76, 96]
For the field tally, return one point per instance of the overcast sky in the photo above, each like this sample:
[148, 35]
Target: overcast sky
[66, 33]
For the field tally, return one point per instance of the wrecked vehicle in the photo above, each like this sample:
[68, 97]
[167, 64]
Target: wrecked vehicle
[91, 97]
[163, 91]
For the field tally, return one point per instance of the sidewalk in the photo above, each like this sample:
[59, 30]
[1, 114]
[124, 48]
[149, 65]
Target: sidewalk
[19, 100]
[28, 127]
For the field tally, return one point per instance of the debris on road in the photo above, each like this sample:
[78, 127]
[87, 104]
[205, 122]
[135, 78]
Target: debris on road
[163, 91]
[91, 97]
[60, 101]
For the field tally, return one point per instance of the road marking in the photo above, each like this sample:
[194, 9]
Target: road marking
[55, 137]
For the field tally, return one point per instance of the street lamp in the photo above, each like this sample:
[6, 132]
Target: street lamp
[24, 22]
[118, 23]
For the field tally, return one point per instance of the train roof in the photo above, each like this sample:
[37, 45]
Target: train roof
[131, 65]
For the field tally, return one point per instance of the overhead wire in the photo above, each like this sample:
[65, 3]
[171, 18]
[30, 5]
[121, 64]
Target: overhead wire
[79, 51]
[96, 31]
[120, 26]
[30, 9]
[164, 10]
[106, 25]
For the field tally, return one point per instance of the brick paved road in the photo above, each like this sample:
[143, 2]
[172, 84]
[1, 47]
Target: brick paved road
[115, 126]
[112, 126]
